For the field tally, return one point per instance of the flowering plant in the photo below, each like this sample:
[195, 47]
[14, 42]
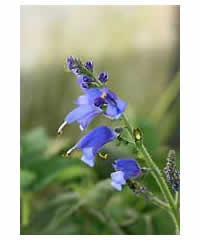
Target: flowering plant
[99, 99]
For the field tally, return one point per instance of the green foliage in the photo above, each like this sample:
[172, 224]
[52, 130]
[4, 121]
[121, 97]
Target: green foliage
[61, 195]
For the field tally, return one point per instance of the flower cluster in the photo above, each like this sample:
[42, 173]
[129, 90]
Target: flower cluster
[97, 99]
[172, 174]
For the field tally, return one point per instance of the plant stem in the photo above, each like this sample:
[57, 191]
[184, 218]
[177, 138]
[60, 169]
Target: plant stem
[157, 175]
[161, 182]
[128, 125]
[26, 198]
[159, 202]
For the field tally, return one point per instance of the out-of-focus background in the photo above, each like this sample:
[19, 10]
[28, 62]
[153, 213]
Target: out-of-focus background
[139, 47]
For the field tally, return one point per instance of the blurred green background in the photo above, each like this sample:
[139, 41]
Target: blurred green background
[139, 47]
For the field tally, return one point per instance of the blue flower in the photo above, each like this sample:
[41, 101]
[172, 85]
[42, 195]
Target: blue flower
[89, 106]
[100, 96]
[103, 77]
[92, 142]
[126, 169]
[115, 106]
[83, 114]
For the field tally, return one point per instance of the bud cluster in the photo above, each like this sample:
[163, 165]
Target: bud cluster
[171, 172]
[137, 187]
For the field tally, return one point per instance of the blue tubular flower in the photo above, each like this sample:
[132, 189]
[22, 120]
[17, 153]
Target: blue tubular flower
[126, 169]
[83, 114]
[115, 106]
[99, 96]
[92, 142]
[89, 106]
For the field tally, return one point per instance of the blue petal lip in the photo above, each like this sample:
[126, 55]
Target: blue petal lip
[97, 137]
[118, 180]
[81, 100]
[88, 156]
[129, 167]
[83, 114]
[92, 142]
[84, 122]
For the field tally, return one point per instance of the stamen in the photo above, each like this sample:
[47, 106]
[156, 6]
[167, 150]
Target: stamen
[60, 129]
[104, 94]
[68, 153]
[104, 156]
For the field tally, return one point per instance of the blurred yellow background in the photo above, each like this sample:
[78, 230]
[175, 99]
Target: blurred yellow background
[137, 45]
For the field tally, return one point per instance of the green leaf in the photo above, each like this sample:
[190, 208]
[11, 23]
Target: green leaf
[26, 179]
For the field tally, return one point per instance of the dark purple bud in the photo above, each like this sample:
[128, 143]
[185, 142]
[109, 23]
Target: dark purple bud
[143, 189]
[103, 77]
[78, 71]
[98, 102]
[71, 63]
[165, 169]
[85, 85]
[175, 186]
[118, 130]
[89, 65]
[87, 79]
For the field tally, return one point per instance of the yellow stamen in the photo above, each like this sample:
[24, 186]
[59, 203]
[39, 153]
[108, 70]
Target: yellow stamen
[104, 94]
[104, 156]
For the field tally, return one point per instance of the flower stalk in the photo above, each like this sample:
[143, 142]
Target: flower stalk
[99, 99]
[156, 173]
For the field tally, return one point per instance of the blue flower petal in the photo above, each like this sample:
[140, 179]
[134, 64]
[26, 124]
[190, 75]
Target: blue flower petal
[97, 137]
[88, 156]
[83, 114]
[117, 180]
[93, 93]
[92, 142]
[83, 99]
[115, 106]
[84, 122]
[129, 167]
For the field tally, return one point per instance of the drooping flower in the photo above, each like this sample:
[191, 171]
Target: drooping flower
[92, 142]
[90, 106]
[103, 96]
[125, 170]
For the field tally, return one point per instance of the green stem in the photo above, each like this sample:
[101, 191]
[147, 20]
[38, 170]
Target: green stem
[128, 125]
[25, 204]
[161, 182]
[157, 175]
[159, 202]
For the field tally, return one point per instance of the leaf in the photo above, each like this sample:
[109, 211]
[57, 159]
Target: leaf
[26, 179]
